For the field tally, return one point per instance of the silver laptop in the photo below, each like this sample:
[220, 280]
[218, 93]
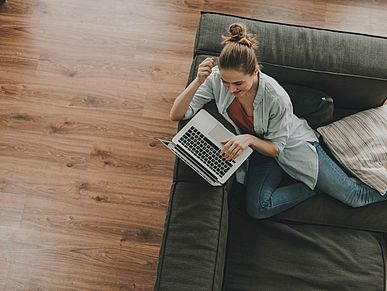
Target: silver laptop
[198, 145]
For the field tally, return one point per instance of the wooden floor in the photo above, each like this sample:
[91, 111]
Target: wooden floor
[85, 91]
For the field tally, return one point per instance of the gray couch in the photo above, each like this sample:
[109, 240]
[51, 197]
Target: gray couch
[210, 243]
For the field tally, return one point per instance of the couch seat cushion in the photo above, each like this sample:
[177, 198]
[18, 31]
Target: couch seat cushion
[271, 255]
[195, 238]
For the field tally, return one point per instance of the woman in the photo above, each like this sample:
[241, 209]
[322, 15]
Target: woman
[261, 111]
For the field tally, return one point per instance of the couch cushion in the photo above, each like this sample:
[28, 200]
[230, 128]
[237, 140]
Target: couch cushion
[359, 142]
[270, 255]
[192, 253]
[322, 59]
[315, 106]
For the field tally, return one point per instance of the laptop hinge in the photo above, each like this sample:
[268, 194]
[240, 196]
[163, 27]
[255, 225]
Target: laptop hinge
[206, 174]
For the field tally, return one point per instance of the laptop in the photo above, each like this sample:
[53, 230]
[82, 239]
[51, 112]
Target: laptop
[198, 145]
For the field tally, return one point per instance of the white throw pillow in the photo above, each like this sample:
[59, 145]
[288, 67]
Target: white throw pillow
[359, 142]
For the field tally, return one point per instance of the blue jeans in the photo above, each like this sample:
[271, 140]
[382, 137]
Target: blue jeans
[264, 198]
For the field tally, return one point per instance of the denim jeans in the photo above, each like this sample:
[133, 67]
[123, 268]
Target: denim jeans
[264, 198]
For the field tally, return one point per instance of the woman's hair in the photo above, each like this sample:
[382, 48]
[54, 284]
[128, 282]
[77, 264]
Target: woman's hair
[238, 52]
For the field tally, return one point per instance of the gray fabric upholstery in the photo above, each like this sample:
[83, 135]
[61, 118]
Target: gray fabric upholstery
[315, 106]
[347, 91]
[301, 47]
[326, 60]
[325, 210]
[192, 255]
[273, 256]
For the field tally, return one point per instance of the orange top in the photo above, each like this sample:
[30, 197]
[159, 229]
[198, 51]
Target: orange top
[240, 118]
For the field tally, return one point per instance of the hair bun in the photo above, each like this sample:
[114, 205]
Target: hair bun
[237, 33]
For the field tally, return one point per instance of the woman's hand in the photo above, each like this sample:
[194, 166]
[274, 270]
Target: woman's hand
[205, 69]
[181, 103]
[234, 146]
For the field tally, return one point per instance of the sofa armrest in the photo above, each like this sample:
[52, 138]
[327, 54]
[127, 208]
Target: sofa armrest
[193, 250]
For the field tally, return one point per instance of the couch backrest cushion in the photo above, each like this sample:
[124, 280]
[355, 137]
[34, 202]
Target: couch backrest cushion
[350, 67]
[315, 106]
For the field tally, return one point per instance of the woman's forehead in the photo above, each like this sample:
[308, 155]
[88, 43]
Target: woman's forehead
[233, 76]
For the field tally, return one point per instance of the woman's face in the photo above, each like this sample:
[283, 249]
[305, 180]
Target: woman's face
[238, 82]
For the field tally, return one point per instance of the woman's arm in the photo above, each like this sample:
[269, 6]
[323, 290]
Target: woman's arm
[234, 146]
[181, 103]
[265, 147]
[180, 106]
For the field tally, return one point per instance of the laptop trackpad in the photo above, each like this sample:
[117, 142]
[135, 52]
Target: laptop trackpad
[219, 133]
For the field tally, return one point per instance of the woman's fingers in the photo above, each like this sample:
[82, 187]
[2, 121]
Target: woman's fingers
[209, 60]
[226, 145]
[234, 146]
[207, 63]
[230, 150]
[234, 154]
[205, 69]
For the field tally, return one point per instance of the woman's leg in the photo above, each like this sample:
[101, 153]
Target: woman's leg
[333, 181]
[263, 197]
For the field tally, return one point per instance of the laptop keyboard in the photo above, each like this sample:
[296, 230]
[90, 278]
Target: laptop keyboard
[205, 150]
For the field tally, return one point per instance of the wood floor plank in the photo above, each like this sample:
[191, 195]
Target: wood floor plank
[11, 208]
[4, 269]
[48, 179]
[19, 7]
[41, 258]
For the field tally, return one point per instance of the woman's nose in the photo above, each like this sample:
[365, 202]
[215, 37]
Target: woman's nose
[233, 88]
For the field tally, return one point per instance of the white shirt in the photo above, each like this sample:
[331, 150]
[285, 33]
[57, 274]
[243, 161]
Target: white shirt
[273, 120]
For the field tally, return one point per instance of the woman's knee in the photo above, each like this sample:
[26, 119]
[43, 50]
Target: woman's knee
[354, 199]
[355, 203]
[259, 210]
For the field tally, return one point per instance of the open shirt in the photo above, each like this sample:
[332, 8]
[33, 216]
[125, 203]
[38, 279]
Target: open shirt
[274, 120]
